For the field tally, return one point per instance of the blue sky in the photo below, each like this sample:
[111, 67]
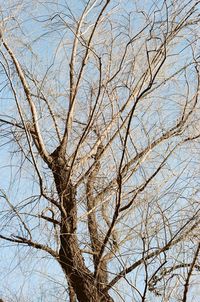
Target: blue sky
[28, 273]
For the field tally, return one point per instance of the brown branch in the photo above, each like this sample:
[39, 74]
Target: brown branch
[119, 177]
[157, 252]
[186, 286]
[73, 86]
[49, 219]
[92, 221]
[166, 271]
[36, 245]
[41, 146]
[42, 97]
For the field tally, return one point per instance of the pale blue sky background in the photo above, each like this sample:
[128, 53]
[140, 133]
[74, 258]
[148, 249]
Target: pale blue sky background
[26, 274]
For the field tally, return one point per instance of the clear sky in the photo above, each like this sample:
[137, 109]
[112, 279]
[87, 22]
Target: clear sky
[31, 275]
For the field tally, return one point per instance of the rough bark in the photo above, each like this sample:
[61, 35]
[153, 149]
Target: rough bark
[95, 238]
[81, 280]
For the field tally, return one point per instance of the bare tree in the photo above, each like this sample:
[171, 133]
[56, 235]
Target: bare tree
[100, 144]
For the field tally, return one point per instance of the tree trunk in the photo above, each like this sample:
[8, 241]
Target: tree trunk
[80, 279]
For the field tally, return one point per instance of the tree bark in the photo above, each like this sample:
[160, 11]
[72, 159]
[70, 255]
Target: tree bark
[81, 280]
